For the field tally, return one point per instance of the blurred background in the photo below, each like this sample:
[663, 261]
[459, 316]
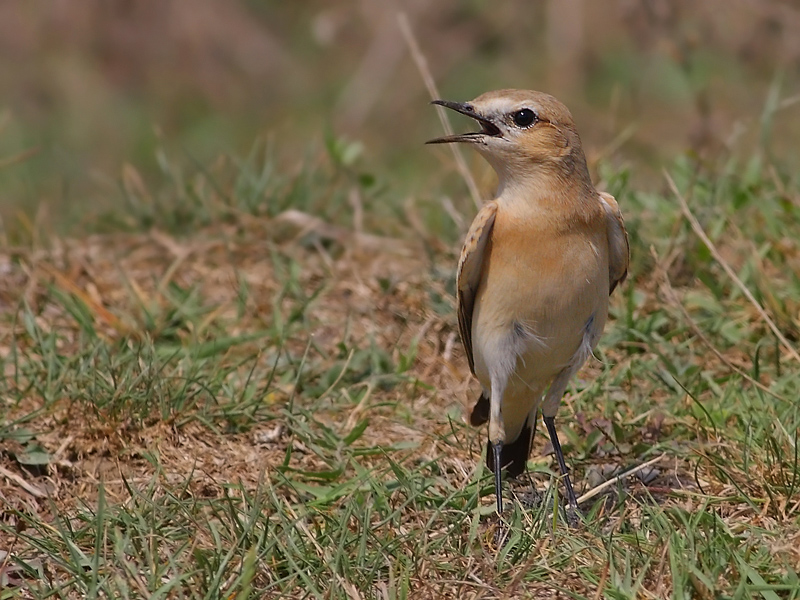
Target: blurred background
[100, 92]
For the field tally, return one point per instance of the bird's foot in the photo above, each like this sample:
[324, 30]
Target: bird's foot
[501, 534]
[574, 516]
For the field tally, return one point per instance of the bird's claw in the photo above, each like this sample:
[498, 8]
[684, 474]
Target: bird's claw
[574, 516]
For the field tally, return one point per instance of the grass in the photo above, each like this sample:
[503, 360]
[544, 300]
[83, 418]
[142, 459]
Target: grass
[208, 399]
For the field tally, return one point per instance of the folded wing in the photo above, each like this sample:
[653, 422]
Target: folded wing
[470, 267]
[618, 248]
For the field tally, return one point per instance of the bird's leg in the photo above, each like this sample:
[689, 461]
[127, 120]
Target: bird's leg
[497, 436]
[551, 429]
[498, 481]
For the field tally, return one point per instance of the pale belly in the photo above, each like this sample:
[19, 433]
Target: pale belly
[530, 324]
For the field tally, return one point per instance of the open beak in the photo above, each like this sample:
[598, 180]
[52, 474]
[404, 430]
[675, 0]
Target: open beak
[487, 127]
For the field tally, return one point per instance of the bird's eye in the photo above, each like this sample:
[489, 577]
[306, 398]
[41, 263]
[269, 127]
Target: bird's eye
[524, 117]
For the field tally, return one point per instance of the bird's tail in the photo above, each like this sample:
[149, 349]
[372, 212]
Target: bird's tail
[480, 412]
[514, 455]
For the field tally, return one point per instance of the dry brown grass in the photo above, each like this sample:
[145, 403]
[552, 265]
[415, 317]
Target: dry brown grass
[390, 296]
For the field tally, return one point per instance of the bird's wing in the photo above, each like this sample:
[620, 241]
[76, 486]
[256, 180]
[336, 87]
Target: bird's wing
[618, 248]
[469, 273]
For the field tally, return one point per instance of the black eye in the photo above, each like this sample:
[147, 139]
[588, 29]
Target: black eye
[524, 117]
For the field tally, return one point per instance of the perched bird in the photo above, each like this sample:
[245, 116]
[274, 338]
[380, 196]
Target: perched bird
[537, 269]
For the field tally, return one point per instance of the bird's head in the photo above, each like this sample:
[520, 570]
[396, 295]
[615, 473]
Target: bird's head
[523, 133]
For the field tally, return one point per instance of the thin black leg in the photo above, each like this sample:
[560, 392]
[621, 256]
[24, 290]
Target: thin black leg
[551, 429]
[498, 482]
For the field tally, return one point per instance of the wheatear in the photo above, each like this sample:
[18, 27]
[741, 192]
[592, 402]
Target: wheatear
[536, 271]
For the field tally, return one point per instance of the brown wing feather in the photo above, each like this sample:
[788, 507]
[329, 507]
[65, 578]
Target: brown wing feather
[618, 247]
[469, 273]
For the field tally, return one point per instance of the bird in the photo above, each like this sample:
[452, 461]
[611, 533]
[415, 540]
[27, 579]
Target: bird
[536, 271]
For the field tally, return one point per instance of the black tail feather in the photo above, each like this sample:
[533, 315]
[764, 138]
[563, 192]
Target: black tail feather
[515, 454]
[480, 412]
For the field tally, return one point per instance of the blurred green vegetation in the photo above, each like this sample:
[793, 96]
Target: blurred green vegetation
[224, 414]
[91, 87]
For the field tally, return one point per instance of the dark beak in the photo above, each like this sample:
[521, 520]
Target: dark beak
[487, 127]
